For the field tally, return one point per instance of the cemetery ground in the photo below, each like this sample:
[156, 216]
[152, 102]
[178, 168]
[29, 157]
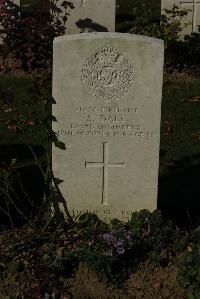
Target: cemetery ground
[70, 261]
[153, 255]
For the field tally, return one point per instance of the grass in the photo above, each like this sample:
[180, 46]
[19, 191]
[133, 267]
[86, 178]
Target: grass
[23, 144]
[179, 146]
[22, 107]
[178, 190]
[182, 117]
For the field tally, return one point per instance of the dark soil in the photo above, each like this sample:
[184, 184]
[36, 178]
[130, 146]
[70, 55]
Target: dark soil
[148, 282]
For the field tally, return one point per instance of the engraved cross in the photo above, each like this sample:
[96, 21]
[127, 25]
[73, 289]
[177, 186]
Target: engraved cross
[105, 165]
[195, 3]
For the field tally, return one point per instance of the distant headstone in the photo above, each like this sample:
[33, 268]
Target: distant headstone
[107, 88]
[91, 16]
[193, 16]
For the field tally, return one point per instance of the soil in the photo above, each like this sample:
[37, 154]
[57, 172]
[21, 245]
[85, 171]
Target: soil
[148, 282]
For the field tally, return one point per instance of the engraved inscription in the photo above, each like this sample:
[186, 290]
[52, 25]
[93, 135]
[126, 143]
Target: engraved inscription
[106, 121]
[107, 215]
[107, 74]
[105, 165]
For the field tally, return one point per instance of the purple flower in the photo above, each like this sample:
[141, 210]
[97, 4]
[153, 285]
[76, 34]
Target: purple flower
[119, 243]
[120, 250]
[109, 238]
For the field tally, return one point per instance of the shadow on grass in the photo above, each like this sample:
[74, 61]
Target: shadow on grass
[179, 192]
[23, 189]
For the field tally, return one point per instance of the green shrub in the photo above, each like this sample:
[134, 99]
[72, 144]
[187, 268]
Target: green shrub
[167, 28]
[178, 54]
[185, 54]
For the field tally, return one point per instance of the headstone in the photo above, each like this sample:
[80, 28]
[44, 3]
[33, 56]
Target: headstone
[107, 88]
[91, 16]
[193, 16]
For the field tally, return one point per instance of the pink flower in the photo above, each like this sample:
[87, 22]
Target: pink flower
[30, 122]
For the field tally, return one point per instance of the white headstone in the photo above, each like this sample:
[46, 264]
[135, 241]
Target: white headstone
[193, 16]
[91, 16]
[107, 88]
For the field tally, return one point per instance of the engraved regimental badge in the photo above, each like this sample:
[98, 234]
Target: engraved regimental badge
[107, 74]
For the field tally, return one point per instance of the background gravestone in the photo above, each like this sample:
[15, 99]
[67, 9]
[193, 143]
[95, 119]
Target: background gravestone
[192, 17]
[91, 15]
[107, 88]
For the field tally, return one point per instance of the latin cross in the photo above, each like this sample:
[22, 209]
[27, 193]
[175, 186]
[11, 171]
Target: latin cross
[105, 165]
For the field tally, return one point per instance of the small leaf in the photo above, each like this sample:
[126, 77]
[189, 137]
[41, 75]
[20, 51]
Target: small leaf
[53, 118]
[167, 128]
[7, 108]
[196, 135]
[53, 101]
[60, 144]
[13, 266]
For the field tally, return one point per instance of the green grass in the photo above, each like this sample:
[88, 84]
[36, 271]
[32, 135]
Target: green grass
[183, 118]
[179, 149]
[178, 190]
[26, 104]
[22, 106]
[23, 146]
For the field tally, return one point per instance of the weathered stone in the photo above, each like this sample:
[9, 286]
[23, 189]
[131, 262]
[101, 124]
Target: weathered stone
[107, 88]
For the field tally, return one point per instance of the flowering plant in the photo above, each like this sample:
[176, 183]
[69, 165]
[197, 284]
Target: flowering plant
[28, 35]
[118, 241]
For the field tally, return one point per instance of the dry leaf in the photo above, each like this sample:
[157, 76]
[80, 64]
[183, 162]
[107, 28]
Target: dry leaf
[66, 296]
[171, 164]
[157, 285]
[196, 135]
[7, 108]
[191, 99]
[178, 87]
[167, 128]
[189, 248]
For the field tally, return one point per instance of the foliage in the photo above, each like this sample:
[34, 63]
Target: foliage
[43, 261]
[25, 149]
[187, 53]
[189, 266]
[179, 54]
[30, 37]
[167, 29]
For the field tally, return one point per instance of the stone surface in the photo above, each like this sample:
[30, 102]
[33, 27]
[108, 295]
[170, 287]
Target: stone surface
[193, 16]
[107, 88]
[91, 16]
